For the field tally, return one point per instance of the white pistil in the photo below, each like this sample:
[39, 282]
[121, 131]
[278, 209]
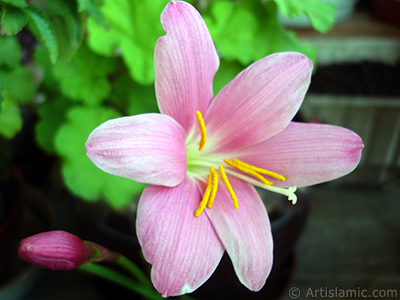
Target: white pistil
[289, 192]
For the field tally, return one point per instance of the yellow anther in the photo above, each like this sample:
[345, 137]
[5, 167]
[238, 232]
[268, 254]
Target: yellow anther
[259, 170]
[214, 187]
[228, 186]
[203, 133]
[206, 197]
[210, 192]
[248, 171]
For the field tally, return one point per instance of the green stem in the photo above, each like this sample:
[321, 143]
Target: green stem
[134, 270]
[120, 279]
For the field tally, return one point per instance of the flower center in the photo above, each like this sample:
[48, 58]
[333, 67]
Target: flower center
[236, 168]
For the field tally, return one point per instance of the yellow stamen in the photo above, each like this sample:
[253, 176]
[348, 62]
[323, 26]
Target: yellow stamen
[214, 187]
[206, 197]
[248, 171]
[210, 192]
[228, 186]
[212, 181]
[203, 133]
[259, 170]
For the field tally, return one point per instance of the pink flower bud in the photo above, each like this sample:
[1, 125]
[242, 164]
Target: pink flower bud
[55, 250]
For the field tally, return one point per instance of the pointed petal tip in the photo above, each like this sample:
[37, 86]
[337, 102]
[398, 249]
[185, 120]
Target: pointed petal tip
[185, 62]
[185, 290]
[178, 5]
[304, 63]
[256, 284]
[245, 233]
[295, 56]
[354, 151]
[184, 250]
[308, 154]
[261, 101]
[306, 60]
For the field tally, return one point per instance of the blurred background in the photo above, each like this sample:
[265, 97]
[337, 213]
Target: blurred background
[351, 239]
[68, 66]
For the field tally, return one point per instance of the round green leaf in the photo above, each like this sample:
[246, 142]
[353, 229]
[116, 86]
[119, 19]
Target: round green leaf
[19, 84]
[133, 27]
[52, 114]
[320, 14]
[10, 118]
[133, 98]
[81, 176]
[85, 77]
[10, 52]
[13, 20]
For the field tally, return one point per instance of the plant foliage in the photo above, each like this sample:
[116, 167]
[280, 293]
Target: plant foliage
[78, 63]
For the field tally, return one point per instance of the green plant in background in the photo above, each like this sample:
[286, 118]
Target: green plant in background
[16, 84]
[133, 28]
[79, 63]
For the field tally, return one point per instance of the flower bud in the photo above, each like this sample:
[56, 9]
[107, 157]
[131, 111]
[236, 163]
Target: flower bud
[55, 250]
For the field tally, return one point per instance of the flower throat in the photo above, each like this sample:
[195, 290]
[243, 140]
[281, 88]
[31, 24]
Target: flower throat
[233, 166]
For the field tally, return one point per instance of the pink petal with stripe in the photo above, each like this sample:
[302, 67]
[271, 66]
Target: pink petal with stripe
[147, 148]
[184, 250]
[185, 62]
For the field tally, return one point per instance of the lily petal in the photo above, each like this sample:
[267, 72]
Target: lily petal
[183, 249]
[147, 148]
[245, 232]
[259, 102]
[185, 63]
[307, 154]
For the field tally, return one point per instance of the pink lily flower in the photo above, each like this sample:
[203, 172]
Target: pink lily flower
[202, 156]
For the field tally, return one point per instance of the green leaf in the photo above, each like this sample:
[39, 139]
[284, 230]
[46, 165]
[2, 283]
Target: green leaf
[18, 83]
[249, 30]
[133, 98]
[320, 14]
[226, 72]
[133, 27]
[92, 7]
[67, 26]
[101, 40]
[52, 114]
[81, 176]
[56, 7]
[85, 77]
[142, 100]
[10, 118]
[10, 52]
[40, 26]
[12, 20]
[68, 32]
[1, 95]
[17, 3]
[233, 27]
[279, 39]
[42, 59]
